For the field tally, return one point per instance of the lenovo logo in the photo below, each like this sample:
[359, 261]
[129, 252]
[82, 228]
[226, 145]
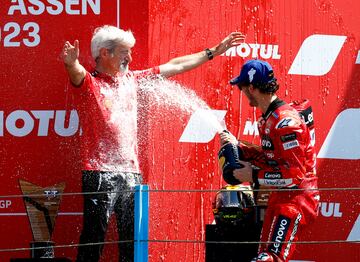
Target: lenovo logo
[273, 175]
[279, 235]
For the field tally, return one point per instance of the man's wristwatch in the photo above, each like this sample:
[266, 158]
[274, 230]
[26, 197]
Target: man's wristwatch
[209, 53]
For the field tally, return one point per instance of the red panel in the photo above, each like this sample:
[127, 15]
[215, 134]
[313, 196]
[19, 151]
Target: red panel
[33, 78]
[180, 27]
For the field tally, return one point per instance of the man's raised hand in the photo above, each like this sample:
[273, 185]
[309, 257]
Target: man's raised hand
[233, 39]
[70, 53]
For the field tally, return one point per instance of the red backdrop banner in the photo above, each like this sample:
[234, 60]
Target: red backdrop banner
[312, 45]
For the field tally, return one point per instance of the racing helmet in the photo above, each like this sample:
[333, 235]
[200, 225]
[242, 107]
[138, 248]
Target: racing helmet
[234, 205]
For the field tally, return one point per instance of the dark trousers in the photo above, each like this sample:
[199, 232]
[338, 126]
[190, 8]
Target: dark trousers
[98, 208]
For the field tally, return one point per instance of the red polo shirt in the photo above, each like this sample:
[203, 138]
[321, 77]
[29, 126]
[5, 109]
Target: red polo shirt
[107, 108]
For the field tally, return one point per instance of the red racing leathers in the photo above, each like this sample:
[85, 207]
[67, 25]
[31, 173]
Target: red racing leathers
[286, 161]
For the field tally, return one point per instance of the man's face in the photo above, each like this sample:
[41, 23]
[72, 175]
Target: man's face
[246, 90]
[120, 58]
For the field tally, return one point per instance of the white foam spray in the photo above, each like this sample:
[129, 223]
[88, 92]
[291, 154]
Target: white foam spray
[124, 106]
[172, 95]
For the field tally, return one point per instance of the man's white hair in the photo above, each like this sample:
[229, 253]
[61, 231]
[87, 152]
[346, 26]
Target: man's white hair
[109, 37]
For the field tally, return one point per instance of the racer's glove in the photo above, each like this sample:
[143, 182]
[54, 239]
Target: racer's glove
[229, 157]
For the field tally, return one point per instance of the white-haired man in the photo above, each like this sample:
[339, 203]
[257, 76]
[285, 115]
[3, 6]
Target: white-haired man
[109, 157]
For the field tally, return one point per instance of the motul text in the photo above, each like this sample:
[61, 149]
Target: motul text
[21, 123]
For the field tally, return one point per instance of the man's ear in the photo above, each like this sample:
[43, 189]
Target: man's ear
[104, 53]
[251, 89]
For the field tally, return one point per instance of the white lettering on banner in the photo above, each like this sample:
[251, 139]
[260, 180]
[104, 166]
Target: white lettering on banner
[5, 203]
[44, 119]
[14, 30]
[21, 123]
[54, 7]
[14, 117]
[330, 209]
[60, 120]
[11, 31]
[343, 139]
[255, 51]
[251, 128]
[317, 55]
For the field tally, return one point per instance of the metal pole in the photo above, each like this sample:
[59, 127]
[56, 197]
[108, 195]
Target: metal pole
[141, 230]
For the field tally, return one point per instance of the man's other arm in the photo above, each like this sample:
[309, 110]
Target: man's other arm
[70, 55]
[185, 63]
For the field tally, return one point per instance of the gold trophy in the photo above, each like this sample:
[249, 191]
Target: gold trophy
[42, 205]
